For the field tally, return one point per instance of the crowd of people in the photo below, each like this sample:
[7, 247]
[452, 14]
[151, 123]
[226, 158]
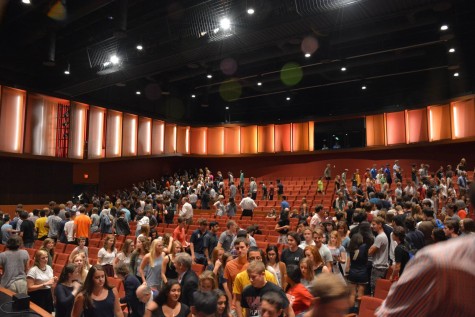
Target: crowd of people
[373, 229]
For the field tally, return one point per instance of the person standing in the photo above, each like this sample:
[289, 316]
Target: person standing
[14, 263]
[293, 254]
[197, 247]
[227, 237]
[328, 172]
[187, 211]
[53, 223]
[280, 189]
[66, 290]
[379, 251]
[186, 277]
[247, 205]
[40, 226]
[210, 241]
[40, 279]
[82, 225]
[253, 188]
[27, 230]
[241, 182]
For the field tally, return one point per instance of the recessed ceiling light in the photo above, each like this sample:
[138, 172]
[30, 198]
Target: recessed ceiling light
[259, 83]
[307, 55]
[66, 72]
[451, 50]
[110, 17]
[456, 74]
[363, 87]
[343, 69]
[227, 108]
[26, 1]
[225, 23]
[139, 47]
[250, 11]
[138, 92]
[444, 27]
[193, 96]
[209, 76]
[288, 98]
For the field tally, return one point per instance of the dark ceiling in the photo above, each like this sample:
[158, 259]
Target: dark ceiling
[393, 47]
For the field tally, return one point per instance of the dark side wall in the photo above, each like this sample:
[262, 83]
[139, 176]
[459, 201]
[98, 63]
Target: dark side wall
[31, 181]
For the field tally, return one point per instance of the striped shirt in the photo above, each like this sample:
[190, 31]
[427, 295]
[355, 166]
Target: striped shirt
[439, 281]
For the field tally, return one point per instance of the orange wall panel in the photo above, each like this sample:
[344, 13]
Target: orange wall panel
[198, 140]
[249, 139]
[144, 141]
[183, 140]
[395, 128]
[129, 135]
[375, 130]
[439, 123]
[114, 133]
[282, 138]
[265, 138]
[417, 126]
[300, 137]
[170, 138]
[12, 119]
[463, 118]
[215, 141]
[232, 140]
[158, 137]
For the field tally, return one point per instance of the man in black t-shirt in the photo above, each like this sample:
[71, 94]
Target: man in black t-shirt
[27, 230]
[251, 295]
[293, 254]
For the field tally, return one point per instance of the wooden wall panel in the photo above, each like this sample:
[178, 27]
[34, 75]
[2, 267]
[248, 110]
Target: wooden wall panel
[114, 134]
[463, 118]
[183, 140]
[158, 137]
[170, 138]
[265, 138]
[129, 135]
[417, 129]
[215, 141]
[395, 128]
[375, 130]
[144, 139]
[232, 140]
[12, 119]
[283, 137]
[198, 143]
[300, 137]
[249, 139]
[439, 123]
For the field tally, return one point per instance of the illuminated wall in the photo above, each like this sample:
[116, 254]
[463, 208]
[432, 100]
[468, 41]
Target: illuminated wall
[12, 119]
[34, 124]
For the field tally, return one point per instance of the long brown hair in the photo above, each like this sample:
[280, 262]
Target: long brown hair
[88, 286]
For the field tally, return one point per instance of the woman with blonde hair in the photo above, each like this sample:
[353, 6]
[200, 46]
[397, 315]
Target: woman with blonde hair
[338, 253]
[82, 267]
[107, 254]
[207, 281]
[319, 266]
[40, 280]
[151, 267]
[123, 257]
[168, 267]
[308, 275]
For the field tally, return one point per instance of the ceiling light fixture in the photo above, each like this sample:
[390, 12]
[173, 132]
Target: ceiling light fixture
[138, 92]
[227, 107]
[250, 11]
[259, 83]
[288, 98]
[444, 27]
[456, 74]
[363, 87]
[114, 59]
[307, 55]
[451, 50]
[209, 76]
[139, 47]
[343, 69]
[193, 96]
[225, 23]
[26, 1]
[67, 71]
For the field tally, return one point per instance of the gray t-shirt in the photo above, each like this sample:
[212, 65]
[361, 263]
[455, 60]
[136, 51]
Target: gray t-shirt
[325, 254]
[380, 257]
[13, 263]
[226, 241]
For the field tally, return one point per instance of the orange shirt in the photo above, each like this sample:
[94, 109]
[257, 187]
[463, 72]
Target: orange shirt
[83, 224]
[179, 235]
[232, 269]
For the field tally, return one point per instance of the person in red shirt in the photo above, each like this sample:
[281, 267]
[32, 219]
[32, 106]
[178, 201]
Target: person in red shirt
[299, 297]
[179, 232]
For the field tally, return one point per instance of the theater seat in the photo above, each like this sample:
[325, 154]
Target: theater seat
[382, 288]
[368, 306]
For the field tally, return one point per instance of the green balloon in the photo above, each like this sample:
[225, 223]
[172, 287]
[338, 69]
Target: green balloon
[291, 74]
[230, 90]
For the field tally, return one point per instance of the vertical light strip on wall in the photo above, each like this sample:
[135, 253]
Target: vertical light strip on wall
[456, 123]
[133, 136]
[162, 143]
[222, 140]
[80, 132]
[116, 135]
[148, 137]
[205, 141]
[187, 140]
[16, 140]
[431, 124]
[100, 134]
[174, 139]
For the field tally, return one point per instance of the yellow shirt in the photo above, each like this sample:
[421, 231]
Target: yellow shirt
[40, 227]
[242, 280]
